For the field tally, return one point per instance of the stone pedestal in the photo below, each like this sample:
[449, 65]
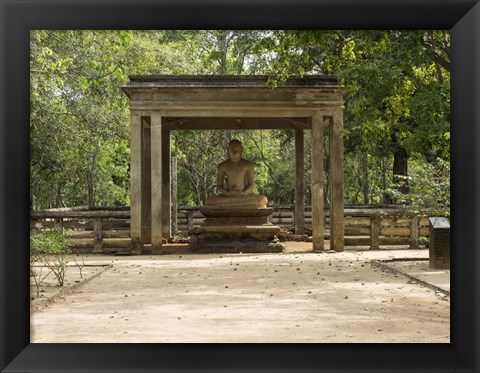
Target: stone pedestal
[236, 230]
[439, 246]
[221, 216]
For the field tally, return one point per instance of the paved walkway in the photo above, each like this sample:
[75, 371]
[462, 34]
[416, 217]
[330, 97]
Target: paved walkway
[420, 271]
[286, 297]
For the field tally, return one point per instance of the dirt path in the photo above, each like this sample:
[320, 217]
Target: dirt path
[293, 297]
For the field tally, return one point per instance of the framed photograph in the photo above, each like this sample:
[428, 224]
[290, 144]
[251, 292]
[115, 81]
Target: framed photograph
[17, 18]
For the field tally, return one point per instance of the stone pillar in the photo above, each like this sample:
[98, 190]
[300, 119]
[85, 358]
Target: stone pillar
[299, 182]
[337, 229]
[166, 192]
[156, 179]
[174, 197]
[136, 182]
[318, 218]
[146, 182]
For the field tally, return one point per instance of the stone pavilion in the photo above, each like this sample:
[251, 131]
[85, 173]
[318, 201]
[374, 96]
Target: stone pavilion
[160, 104]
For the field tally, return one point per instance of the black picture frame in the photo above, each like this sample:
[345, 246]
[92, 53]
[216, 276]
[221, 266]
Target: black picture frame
[18, 17]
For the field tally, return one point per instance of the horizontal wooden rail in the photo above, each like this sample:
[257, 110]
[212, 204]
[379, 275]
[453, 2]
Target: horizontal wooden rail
[107, 230]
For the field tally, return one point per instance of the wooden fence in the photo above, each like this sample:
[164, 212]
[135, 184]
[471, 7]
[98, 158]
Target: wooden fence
[109, 231]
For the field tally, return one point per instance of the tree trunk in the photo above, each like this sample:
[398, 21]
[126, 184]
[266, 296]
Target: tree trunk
[386, 199]
[58, 198]
[364, 176]
[400, 173]
[400, 169]
[223, 46]
[90, 174]
[226, 139]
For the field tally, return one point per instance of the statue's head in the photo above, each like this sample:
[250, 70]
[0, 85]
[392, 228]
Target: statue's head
[235, 150]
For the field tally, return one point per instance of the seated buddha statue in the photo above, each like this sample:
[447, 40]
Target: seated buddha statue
[236, 182]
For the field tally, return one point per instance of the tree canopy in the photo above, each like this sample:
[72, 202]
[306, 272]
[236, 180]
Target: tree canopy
[397, 111]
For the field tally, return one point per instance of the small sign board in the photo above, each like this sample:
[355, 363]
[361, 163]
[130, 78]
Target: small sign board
[439, 222]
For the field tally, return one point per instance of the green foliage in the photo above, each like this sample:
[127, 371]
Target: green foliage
[49, 242]
[197, 153]
[423, 240]
[73, 109]
[397, 99]
[49, 249]
[429, 188]
[396, 102]
[113, 177]
[274, 161]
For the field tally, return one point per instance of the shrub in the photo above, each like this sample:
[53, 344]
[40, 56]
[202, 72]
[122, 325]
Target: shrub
[49, 249]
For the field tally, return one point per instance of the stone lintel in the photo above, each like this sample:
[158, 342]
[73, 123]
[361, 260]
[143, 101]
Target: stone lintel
[223, 81]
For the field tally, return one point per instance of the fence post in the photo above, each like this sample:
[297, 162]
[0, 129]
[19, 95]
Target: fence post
[97, 236]
[58, 222]
[414, 232]
[375, 232]
[190, 220]
[294, 218]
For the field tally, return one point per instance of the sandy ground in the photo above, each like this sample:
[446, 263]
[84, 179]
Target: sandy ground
[287, 297]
